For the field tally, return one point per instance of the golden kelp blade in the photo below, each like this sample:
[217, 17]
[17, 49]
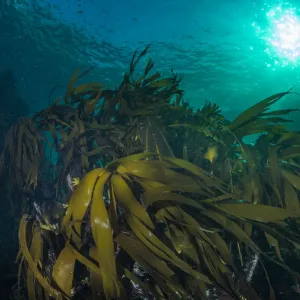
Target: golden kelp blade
[79, 203]
[260, 213]
[63, 271]
[36, 251]
[96, 279]
[159, 170]
[160, 249]
[126, 198]
[155, 266]
[102, 234]
[31, 264]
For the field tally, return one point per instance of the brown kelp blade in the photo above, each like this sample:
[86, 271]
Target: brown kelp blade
[134, 61]
[256, 111]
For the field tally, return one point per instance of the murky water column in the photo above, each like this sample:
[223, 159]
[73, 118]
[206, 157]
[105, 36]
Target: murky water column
[4, 4]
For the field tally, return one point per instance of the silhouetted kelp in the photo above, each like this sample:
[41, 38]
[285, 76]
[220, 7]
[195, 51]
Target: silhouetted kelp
[12, 107]
[170, 203]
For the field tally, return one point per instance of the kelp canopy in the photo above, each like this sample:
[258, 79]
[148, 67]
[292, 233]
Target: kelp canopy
[137, 195]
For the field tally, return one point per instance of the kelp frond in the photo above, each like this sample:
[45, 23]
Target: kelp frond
[183, 258]
[139, 217]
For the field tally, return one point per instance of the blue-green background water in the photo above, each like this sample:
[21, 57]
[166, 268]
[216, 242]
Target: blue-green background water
[219, 46]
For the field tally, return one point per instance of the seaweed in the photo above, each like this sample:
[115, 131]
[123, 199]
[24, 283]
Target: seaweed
[157, 200]
[12, 107]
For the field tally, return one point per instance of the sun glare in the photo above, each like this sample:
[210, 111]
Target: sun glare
[281, 33]
[286, 33]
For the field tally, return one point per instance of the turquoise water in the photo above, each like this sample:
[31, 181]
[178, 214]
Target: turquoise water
[233, 53]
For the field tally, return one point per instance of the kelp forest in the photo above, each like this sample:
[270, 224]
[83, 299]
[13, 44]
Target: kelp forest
[131, 193]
